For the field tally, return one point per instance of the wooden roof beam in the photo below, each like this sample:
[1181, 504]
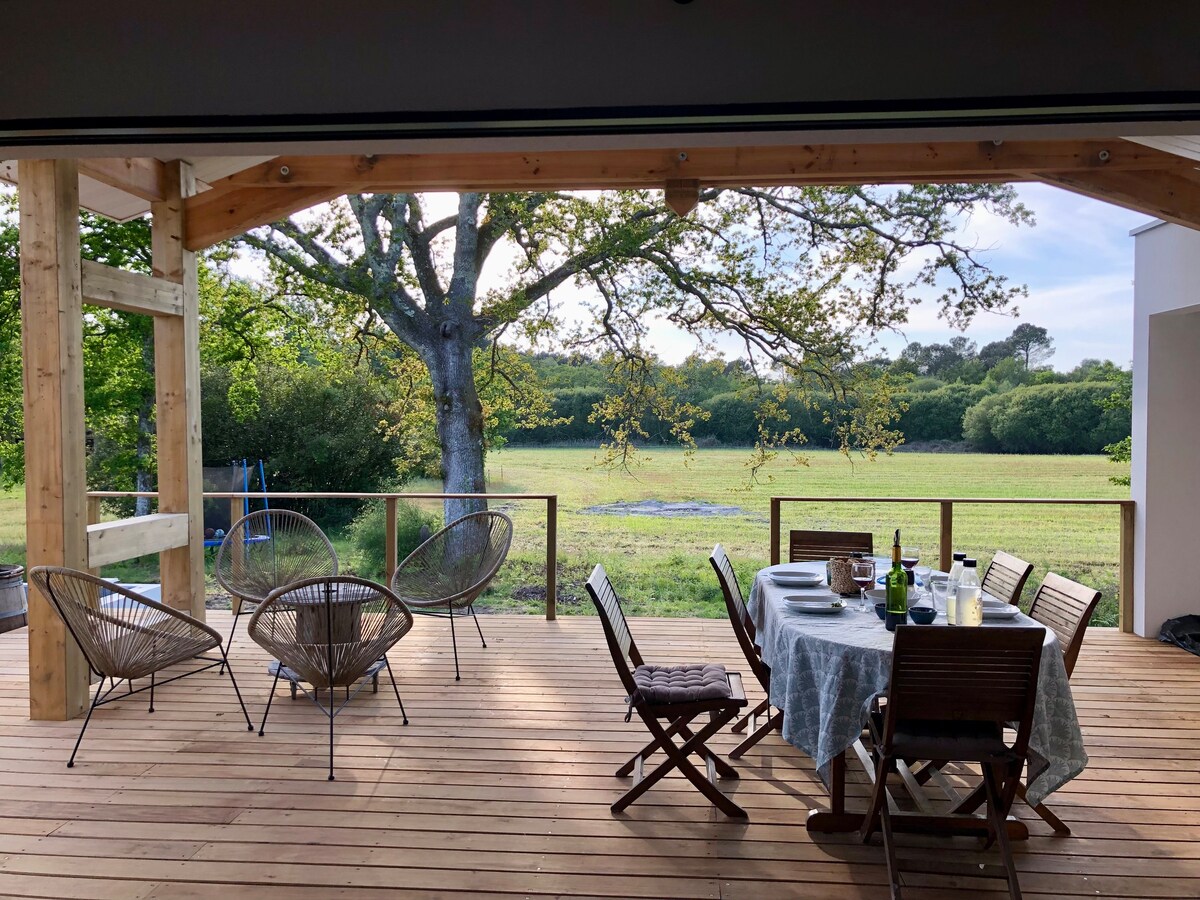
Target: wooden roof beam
[1172, 196]
[597, 169]
[228, 213]
[140, 176]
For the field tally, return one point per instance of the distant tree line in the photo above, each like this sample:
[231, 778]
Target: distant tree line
[1001, 398]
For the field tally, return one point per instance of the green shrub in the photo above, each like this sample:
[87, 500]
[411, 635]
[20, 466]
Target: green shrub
[368, 534]
[1047, 418]
[938, 415]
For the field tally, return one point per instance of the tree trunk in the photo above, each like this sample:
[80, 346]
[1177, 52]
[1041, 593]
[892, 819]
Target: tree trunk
[459, 419]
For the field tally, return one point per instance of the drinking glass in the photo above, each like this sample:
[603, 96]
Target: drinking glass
[909, 556]
[923, 573]
[862, 572]
[940, 591]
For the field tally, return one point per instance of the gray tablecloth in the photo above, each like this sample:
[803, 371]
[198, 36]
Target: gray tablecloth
[826, 670]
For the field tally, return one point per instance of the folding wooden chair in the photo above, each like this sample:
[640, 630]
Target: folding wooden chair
[672, 694]
[806, 546]
[1006, 576]
[1065, 607]
[743, 627]
[951, 694]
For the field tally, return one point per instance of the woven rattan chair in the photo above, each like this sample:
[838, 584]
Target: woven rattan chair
[330, 633]
[1006, 576]
[125, 636]
[807, 546]
[676, 695]
[952, 693]
[451, 569]
[270, 549]
[743, 627]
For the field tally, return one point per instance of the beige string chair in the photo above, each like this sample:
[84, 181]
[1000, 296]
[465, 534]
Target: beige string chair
[269, 549]
[453, 567]
[330, 633]
[125, 636]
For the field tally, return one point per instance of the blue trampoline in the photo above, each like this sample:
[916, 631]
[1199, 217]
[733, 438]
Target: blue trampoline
[240, 476]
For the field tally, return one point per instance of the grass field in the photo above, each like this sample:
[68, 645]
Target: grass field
[660, 564]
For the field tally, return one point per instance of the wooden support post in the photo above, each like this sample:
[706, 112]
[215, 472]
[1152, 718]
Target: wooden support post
[390, 560]
[1125, 570]
[237, 550]
[177, 385]
[94, 513]
[551, 558]
[947, 536]
[55, 480]
[774, 531]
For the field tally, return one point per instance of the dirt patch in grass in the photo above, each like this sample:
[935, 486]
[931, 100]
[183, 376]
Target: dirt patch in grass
[667, 510]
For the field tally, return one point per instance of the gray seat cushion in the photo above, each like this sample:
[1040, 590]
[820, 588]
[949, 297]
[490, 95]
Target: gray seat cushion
[662, 685]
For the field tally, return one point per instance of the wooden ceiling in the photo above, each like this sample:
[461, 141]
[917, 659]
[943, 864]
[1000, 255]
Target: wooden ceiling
[238, 194]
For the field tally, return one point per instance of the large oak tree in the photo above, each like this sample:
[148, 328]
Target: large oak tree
[803, 278]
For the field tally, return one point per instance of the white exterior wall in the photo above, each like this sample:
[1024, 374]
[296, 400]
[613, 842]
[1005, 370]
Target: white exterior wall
[1166, 424]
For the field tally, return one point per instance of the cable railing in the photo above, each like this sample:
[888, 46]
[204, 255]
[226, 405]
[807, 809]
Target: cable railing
[946, 507]
[391, 501]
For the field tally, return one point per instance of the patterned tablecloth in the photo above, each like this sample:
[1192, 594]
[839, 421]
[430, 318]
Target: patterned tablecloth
[826, 670]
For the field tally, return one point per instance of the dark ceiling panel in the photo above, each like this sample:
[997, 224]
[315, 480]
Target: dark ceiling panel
[211, 69]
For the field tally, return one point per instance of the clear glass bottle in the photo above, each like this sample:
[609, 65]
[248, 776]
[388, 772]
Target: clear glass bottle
[896, 590]
[969, 599]
[952, 588]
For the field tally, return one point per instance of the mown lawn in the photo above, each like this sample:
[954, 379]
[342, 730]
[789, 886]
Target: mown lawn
[660, 564]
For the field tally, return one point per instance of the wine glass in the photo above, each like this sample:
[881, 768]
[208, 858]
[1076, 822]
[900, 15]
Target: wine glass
[862, 573]
[910, 556]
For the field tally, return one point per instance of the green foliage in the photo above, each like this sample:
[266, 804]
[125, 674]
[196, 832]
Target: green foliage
[368, 535]
[1049, 418]
[317, 429]
[937, 415]
[1120, 401]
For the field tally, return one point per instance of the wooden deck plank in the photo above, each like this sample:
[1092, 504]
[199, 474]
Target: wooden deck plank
[501, 783]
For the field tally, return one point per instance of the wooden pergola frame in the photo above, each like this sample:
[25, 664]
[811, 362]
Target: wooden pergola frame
[55, 283]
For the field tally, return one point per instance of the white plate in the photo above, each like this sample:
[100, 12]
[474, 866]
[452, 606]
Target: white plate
[1001, 612]
[815, 607]
[796, 579]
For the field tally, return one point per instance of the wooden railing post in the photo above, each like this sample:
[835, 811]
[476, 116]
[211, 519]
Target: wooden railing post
[551, 558]
[93, 518]
[390, 553]
[946, 539]
[774, 531]
[237, 550]
[1125, 569]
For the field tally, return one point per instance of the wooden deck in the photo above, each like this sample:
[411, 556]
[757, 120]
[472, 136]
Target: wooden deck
[501, 786]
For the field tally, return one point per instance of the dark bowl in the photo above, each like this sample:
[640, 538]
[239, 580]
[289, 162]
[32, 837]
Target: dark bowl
[922, 615]
[881, 610]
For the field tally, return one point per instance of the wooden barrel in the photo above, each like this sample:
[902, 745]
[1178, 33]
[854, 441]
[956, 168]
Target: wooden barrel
[12, 597]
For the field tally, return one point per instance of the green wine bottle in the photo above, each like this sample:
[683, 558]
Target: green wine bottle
[896, 590]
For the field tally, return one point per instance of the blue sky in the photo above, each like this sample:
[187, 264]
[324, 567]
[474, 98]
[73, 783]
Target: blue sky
[1077, 262]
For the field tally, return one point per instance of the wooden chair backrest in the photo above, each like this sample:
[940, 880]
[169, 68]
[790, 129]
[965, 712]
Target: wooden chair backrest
[806, 546]
[1006, 576]
[1065, 606]
[616, 630]
[964, 675]
[739, 616]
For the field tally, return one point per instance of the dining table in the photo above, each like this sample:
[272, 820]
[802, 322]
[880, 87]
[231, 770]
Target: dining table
[828, 669]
